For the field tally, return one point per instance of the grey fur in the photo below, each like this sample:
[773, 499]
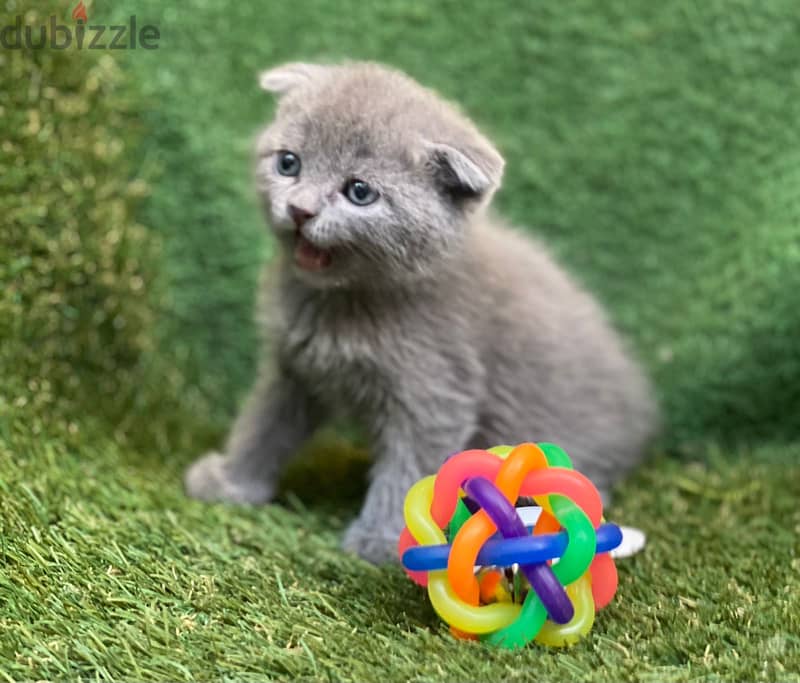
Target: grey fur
[435, 324]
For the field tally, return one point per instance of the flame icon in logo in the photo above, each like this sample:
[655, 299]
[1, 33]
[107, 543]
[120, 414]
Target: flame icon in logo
[80, 12]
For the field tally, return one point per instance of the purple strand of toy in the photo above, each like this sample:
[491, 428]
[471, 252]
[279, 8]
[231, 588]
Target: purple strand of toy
[539, 575]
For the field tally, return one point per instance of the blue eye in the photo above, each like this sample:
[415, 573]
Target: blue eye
[359, 192]
[288, 163]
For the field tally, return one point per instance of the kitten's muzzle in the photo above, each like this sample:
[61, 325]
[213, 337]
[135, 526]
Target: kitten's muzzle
[299, 216]
[307, 255]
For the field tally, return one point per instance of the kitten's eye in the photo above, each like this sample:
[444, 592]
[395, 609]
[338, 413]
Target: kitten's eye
[359, 192]
[288, 163]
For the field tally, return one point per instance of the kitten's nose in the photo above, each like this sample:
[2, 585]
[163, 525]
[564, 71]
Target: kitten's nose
[298, 215]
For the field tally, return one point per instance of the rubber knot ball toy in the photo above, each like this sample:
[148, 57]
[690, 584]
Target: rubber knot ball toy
[491, 576]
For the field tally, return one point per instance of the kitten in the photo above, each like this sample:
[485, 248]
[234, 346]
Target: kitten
[400, 300]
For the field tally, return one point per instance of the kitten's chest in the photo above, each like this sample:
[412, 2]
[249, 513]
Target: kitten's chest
[338, 348]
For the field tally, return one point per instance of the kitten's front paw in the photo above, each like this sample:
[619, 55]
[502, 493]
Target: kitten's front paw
[375, 545]
[211, 478]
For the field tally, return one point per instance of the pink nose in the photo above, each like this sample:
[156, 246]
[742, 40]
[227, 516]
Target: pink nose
[298, 215]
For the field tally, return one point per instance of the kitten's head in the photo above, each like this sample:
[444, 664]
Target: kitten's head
[369, 178]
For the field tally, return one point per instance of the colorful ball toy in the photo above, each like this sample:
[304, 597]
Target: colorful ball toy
[543, 586]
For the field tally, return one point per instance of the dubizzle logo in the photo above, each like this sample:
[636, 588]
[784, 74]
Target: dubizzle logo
[80, 12]
[82, 36]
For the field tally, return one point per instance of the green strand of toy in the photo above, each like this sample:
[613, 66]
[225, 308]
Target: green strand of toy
[460, 516]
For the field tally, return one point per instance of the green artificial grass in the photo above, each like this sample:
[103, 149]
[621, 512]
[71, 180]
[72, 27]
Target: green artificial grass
[110, 573]
[655, 146]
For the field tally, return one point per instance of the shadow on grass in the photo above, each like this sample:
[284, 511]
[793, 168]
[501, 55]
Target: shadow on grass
[330, 472]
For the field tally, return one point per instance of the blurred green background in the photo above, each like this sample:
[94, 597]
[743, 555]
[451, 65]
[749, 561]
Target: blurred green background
[654, 146]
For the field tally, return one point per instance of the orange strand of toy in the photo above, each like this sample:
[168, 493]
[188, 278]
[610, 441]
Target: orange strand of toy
[479, 528]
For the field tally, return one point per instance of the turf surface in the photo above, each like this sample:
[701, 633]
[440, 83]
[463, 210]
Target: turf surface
[110, 573]
[655, 146]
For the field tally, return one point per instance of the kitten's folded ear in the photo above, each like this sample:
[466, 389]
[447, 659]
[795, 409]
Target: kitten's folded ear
[281, 79]
[470, 172]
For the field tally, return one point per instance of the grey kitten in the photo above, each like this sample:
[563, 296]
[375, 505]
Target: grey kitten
[402, 302]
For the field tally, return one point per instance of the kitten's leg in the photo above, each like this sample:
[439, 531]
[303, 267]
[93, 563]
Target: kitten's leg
[405, 452]
[276, 420]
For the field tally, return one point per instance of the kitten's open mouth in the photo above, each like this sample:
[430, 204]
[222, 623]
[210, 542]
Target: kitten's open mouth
[309, 257]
